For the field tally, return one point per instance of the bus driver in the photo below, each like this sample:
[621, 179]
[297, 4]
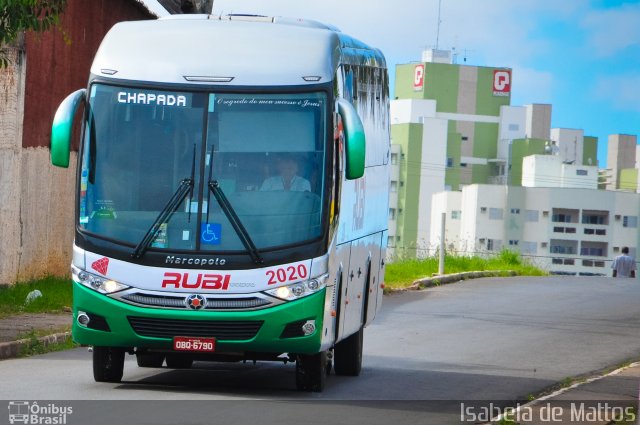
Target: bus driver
[288, 179]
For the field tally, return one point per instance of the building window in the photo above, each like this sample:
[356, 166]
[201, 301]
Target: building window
[463, 165]
[465, 138]
[593, 219]
[455, 214]
[582, 173]
[394, 158]
[630, 221]
[494, 245]
[531, 215]
[513, 242]
[592, 252]
[495, 213]
[449, 162]
[562, 249]
[394, 186]
[392, 213]
[561, 218]
[515, 210]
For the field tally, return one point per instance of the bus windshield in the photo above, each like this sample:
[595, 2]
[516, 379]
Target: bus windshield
[264, 152]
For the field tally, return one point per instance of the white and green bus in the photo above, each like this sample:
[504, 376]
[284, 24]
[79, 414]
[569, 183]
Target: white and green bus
[232, 194]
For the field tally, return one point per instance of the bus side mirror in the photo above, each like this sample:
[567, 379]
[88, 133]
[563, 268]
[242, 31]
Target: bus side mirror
[62, 128]
[355, 145]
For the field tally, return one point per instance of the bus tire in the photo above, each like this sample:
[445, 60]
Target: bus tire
[311, 372]
[179, 362]
[348, 355]
[108, 364]
[146, 359]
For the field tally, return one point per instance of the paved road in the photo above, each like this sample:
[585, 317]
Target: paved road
[487, 339]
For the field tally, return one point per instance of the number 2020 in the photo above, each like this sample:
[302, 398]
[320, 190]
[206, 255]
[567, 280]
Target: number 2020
[287, 274]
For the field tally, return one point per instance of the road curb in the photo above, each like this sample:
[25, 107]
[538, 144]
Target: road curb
[428, 282]
[13, 349]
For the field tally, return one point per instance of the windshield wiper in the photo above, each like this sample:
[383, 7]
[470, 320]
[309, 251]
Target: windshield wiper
[185, 188]
[241, 231]
[228, 210]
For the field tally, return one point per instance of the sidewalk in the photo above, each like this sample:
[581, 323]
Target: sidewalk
[602, 400]
[17, 331]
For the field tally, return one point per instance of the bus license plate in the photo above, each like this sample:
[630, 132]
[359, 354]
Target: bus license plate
[187, 343]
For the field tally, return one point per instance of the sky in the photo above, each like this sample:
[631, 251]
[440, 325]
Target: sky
[580, 56]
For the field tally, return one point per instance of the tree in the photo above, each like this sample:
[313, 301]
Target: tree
[24, 15]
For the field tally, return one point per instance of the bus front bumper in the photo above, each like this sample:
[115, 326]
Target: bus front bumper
[235, 331]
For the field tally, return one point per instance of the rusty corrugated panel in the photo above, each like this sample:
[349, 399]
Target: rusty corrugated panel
[58, 62]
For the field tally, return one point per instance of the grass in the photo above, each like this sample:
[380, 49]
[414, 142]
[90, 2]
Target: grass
[56, 296]
[35, 346]
[402, 273]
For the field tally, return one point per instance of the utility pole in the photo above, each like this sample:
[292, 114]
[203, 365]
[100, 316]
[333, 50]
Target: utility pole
[443, 221]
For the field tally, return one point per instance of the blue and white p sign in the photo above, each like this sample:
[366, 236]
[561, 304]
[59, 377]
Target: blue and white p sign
[211, 233]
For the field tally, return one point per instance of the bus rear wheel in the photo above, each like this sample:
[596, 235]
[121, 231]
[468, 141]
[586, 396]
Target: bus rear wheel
[348, 355]
[311, 372]
[108, 364]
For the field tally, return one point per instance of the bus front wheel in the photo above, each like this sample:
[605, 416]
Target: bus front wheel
[348, 355]
[108, 364]
[311, 372]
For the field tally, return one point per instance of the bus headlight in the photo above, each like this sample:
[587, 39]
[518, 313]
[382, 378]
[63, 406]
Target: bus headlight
[298, 290]
[97, 283]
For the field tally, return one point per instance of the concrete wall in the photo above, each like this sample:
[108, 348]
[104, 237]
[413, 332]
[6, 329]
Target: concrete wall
[538, 121]
[570, 143]
[36, 199]
[12, 80]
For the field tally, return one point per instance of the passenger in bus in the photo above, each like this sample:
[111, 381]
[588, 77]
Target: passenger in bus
[288, 178]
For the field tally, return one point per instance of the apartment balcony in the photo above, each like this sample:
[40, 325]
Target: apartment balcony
[500, 180]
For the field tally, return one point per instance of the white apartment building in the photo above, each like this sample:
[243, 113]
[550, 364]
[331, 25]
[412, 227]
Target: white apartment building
[552, 171]
[569, 231]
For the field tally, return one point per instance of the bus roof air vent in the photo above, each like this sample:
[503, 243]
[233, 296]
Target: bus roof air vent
[207, 79]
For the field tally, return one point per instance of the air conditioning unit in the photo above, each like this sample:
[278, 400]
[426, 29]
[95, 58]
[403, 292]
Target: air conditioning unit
[544, 244]
[482, 240]
[483, 209]
[618, 217]
[545, 213]
[616, 249]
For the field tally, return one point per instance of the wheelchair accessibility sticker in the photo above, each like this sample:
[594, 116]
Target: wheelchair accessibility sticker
[211, 233]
